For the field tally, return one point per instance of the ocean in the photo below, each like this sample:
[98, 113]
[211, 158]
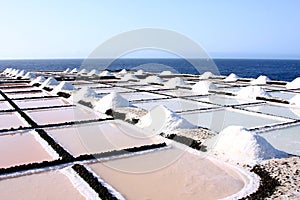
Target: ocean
[285, 70]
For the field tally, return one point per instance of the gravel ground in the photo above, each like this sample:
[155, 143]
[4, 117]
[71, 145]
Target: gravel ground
[287, 171]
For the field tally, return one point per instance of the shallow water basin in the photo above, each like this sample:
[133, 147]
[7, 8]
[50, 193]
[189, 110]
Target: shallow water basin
[169, 174]
[41, 103]
[219, 119]
[27, 95]
[11, 120]
[135, 96]
[62, 115]
[287, 139]
[178, 92]
[175, 104]
[221, 100]
[46, 185]
[111, 89]
[21, 148]
[101, 137]
[282, 95]
[293, 113]
[4, 105]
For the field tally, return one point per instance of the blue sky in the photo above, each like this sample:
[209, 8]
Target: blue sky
[225, 29]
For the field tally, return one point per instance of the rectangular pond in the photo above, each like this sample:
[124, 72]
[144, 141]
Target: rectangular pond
[11, 120]
[217, 120]
[62, 115]
[169, 174]
[136, 96]
[21, 148]
[101, 137]
[175, 104]
[287, 139]
[293, 113]
[47, 102]
[4, 105]
[221, 100]
[46, 185]
[27, 94]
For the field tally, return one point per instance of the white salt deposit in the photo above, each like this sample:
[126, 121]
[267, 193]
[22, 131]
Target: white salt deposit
[261, 80]
[93, 72]
[164, 73]
[39, 79]
[73, 71]
[129, 77]
[21, 73]
[63, 86]
[7, 71]
[112, 100]
[251, 92]
[152, 79]
[85, 94]
[123, 72]
[295, 100]
[67, 71]
[83, 71]
[14, 72]
[106, 74]
[139, 72]
[29, 75]
[206, 75]
[231, 78]
[161, 119]
[173, 82]
[203, 87]
[239, 145]
[50, 82]
[295, 84]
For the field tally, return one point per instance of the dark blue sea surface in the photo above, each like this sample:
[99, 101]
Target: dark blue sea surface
[285, 70]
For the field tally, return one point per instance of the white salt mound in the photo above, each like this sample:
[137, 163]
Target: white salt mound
[295, 84]
[203, 87]
[73, 71]
[295, 100]
[84, 94]
[63, 86]
[14, 72]
[164, 73]
[237, 144]
[7, 71]
[21, 73]
[152, 79]
[67, 71]
[129, 77]
[112, 100]
[173, 82]
[39, 79]
[106, 74]
[123, 72]
[139, 72]
[161, 119]
[29, 75]
[50, 82]
[231, 78]
[83, 71]
[261, 80]
[251, 92]
[206, 75]
[93, 72]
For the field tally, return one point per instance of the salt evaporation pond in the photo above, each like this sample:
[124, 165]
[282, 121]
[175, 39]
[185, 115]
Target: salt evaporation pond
[101, 137]
[20, 148]
[41, 103]
[178, 92]
[187, 177]
[282, 95]
[27, 94]
[287, 139]
[174, 104]
[134, 96]
[62, 115]
[217, 120]
[111, 89]
[21, 89]
[5, 106]
[46, 185]
[11, 120]
[293, 113]
[221, 100]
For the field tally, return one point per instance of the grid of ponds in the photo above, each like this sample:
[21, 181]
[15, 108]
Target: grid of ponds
[43, 135]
